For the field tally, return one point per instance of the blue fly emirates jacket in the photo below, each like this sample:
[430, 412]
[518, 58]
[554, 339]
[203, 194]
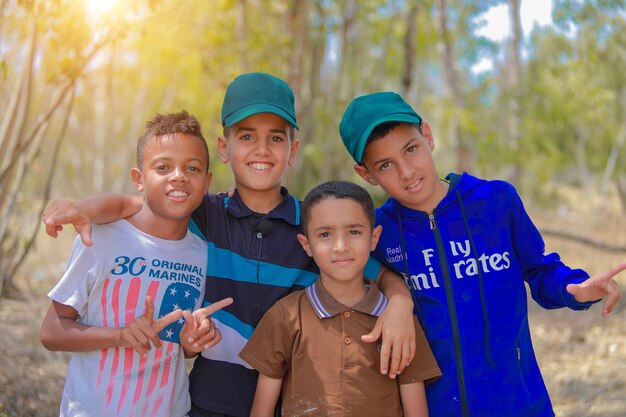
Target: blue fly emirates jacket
[466, 265]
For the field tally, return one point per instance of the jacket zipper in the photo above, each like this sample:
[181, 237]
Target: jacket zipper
[453, 317]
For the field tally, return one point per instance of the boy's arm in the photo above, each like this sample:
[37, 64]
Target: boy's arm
[266, 396]
[413, 399]
[60, 331]
[98, 208]
[395, 325]
[552, 283]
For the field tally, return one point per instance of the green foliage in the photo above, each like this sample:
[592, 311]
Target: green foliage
[167, 55]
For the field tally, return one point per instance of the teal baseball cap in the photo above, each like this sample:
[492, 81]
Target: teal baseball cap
[366, 112]
[257, 92]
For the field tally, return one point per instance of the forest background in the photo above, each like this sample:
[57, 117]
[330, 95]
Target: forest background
[544, 108]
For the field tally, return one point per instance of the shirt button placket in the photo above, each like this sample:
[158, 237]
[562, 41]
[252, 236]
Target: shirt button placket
[346, 339]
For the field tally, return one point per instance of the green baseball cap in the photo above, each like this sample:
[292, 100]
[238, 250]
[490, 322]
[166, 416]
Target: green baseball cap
[257, 92]
[366, 112]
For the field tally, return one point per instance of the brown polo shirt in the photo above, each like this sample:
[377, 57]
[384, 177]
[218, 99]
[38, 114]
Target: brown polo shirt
[314, 343]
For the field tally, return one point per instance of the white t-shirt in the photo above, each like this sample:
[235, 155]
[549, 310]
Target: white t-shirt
[107, 284]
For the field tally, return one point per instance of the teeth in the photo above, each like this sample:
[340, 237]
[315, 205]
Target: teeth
[178, 194]
[260, 165]
[413, 184]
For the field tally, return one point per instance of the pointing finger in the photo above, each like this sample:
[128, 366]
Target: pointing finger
[207, 311]
[167, 319]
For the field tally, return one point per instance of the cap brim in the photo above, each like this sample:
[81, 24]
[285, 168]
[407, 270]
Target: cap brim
[257, 108]
[398, 117]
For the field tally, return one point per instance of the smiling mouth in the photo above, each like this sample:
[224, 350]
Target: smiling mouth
[260, 166]
[415, 185]
[177, 195]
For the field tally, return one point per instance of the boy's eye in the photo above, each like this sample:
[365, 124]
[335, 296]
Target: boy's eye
[194, 169]
[161, 167]
[276, 139]
[384, 166]
[246, 137]
[411, 149]
[324, 234]
[354, 232]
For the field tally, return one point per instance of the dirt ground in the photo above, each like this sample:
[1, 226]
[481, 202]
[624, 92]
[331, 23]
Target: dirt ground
[582, 355]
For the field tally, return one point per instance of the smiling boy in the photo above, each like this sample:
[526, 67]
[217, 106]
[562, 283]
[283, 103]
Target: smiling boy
[120, 350]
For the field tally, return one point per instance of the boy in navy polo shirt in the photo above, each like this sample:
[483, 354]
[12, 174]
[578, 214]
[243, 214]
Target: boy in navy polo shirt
[307, 346]
[466, 247]
[253, 253]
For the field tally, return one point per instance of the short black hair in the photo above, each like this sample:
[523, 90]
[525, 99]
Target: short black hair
[384, 128]
[337, 189]
[169, 124]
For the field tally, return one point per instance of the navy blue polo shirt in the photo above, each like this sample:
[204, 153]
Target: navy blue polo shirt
[256, 266]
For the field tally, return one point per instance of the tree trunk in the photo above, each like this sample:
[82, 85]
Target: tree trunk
[453, 89]
[338, 94]
[580, 152]
[242, 35]
[299, 29]
[614, 154]
[514, 87]
[22, 149]
[13, 261]
[409, 50]
[621, 191]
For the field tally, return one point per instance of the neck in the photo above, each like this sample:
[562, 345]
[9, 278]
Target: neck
[167, 229]
[348, 292]
[260, 201]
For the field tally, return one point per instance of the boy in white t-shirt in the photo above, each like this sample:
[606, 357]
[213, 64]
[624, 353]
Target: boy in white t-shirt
[120, 304]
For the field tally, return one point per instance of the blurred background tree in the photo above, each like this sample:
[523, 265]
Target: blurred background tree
[78, 79]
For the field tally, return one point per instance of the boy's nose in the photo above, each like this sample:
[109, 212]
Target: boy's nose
[178, 175]
[262, 147]
[405, 170]
[340, 244]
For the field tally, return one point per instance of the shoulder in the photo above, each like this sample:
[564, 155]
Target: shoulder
[495, 189]
[291, 301]
[283, 317]
[100, 233]
[193, 242]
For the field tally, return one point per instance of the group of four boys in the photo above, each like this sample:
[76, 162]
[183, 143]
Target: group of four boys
[222, 271]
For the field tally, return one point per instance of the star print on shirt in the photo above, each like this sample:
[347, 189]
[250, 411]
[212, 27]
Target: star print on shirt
[175, 298]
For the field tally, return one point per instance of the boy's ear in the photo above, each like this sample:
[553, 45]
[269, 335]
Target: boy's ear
[295, 144]
[209, 178]
[375, 236]
[222, 148]
[428, 135]
[364, 173]
[305, 244]
[137, 177]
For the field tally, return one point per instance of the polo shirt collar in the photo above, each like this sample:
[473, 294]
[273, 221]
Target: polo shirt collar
[288, 209]
[326, 306]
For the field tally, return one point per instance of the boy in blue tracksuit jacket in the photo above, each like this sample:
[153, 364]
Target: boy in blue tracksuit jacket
[465, 247]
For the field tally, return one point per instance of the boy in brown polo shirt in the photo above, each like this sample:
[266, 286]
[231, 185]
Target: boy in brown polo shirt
[308, 347]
